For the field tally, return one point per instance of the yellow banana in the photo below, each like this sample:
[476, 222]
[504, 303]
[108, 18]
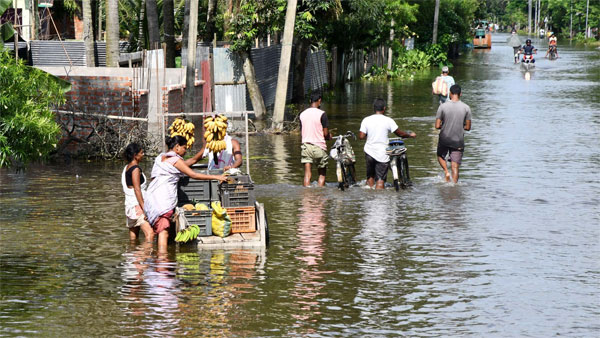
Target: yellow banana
[223, 118]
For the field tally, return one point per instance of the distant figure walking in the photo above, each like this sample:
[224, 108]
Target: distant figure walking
[453, 118]
[134, 186]
[442, 83]
[515, 43]
[315, 130]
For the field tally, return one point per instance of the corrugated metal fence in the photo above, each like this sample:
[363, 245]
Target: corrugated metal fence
[57, 53]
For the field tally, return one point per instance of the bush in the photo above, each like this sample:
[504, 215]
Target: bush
[28, 130]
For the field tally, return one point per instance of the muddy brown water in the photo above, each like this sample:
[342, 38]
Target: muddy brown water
[513, 250]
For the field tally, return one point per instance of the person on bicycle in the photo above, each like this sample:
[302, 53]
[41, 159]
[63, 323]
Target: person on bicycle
[315, 130]
[453, 118]
[552, 44]
[528, 51]
[375, 128]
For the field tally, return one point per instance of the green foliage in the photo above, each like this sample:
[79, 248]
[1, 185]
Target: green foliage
[6, 29]
[455, 18]
[255, 18]
[28, 130]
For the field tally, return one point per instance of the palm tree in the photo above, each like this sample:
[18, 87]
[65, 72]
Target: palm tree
[169, 30]
[153, 30]
[112, 33]
[88, 33]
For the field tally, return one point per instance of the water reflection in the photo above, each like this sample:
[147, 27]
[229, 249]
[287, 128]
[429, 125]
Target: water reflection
[150, 290]
[312, 229]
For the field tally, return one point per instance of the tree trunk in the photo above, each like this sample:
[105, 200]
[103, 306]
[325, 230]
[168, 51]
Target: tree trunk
[169, 29]
[112, 33]
[436, 15]
[284, 65]
[36, 20]
[99, 31]
[258, 103]
[210, 18]
[299, 71]
[88, 33]
[152, 19]
[191, 58]
[141, 39]
[186, 23]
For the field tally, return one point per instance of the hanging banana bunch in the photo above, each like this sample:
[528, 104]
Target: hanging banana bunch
[216, 128]
[183, 128]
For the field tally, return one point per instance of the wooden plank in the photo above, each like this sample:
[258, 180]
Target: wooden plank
[251, 236]
[210, 240]
[233, 238]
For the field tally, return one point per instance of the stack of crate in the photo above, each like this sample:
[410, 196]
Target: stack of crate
[237, 196]
[191, 191]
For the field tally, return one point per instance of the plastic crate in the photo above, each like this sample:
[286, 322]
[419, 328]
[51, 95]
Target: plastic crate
[237, 195]
[243, 219]
[234, 179]
[201, 217]
[197, 190]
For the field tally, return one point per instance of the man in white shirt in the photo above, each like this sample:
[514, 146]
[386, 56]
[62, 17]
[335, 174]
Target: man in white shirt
[375, 129]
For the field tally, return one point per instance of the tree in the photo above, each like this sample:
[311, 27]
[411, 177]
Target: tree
[169, 30]
[112, 33]
[28, 130]
[251, 20]
[88, 33]
[153, 24]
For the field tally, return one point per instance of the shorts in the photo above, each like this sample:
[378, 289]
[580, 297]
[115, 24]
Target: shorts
[456, 154]
[163, 222]
[376, 169]
[139, 220]
[313, 154]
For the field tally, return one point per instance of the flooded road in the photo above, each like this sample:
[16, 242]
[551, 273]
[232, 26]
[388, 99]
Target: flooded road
[513, 250]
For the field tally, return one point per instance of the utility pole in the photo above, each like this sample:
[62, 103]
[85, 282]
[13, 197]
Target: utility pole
[529, 19]
[436, 15]
[190, 76]
[284, 66]
[16, 31]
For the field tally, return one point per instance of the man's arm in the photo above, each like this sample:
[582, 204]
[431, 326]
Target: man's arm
[362, 135]
[404, 134]
[467, 126]
[326, 134]
[438, 124]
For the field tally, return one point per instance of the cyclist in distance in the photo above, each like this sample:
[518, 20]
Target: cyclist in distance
[375, 129]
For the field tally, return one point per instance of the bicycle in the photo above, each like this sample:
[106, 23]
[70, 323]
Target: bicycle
[342, 153]
[398, 163]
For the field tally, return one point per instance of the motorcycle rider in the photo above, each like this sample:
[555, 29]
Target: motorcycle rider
[528, 51]
[552, 44]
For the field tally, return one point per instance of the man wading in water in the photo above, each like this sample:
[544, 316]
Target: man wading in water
[453, 118]
[315, 130]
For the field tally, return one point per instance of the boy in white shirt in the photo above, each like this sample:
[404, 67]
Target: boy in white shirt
[375, 129]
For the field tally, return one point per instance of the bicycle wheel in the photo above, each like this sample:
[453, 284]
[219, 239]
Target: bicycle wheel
[350, 174]
[404, 176]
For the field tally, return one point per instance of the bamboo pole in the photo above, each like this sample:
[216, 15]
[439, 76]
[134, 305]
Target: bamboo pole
[190, 77]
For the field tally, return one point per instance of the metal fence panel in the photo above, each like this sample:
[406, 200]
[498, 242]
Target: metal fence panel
[230, 98]
[52, 53]
[227, 67]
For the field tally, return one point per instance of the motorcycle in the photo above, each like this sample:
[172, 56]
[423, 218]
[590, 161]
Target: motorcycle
[552, 53]
[527, 62]
[398, 163]
[342, 153]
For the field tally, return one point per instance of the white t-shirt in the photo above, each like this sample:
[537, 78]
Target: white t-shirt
[377, 127]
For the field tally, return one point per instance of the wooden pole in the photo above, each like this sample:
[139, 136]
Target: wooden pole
[190, 77]
[284, 66]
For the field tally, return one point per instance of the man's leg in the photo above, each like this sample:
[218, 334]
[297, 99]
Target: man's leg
[322, 172]
[455, 166]
[442, 162]
[380, 184]
[307, 174]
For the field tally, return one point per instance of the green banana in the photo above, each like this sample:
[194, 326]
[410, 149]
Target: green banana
[178, 237]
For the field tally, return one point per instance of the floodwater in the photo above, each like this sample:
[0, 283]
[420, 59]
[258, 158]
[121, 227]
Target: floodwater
[513, 250]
